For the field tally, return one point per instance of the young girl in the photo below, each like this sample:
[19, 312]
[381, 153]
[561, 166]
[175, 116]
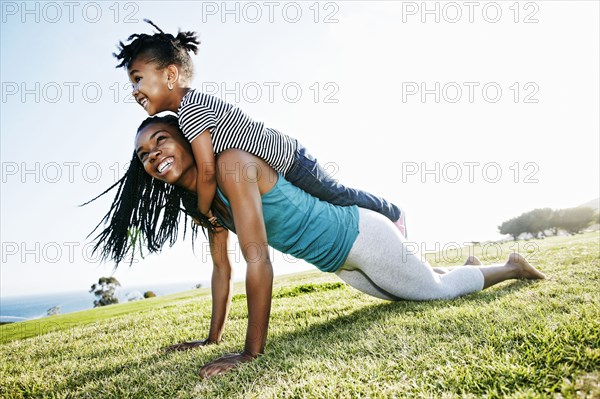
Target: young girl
[160, 69]
[362, 247]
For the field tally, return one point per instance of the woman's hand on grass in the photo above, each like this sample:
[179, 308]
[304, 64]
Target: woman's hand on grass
[188, 345]
[224, 364]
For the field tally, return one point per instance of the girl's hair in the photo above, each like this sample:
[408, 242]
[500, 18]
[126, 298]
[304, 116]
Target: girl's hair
[161, 48]
[146, 211]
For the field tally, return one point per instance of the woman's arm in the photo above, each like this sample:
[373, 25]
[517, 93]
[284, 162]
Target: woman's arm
[246, 204]
[221, 285]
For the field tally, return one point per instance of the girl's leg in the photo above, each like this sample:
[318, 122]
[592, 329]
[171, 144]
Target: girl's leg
[380, 254]
[310, 176]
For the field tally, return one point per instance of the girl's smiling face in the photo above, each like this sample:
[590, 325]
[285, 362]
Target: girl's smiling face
[166, 155]
[150, 88]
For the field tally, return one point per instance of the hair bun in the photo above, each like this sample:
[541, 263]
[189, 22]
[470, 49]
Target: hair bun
[188, 40]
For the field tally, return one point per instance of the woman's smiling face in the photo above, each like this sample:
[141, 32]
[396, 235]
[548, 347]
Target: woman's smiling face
[165, 154]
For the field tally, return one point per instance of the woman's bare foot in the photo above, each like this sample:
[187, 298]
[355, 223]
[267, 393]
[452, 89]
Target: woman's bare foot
[524, 268]
[473, 261]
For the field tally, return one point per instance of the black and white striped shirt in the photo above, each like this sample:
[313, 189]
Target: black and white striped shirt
[231, 128]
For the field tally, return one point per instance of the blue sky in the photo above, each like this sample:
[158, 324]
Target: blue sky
[488, 112]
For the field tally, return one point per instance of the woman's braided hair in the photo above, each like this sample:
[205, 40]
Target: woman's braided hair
[146, 211]
[161, 48]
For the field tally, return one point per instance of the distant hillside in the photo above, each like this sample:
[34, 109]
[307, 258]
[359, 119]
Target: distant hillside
[594, 204]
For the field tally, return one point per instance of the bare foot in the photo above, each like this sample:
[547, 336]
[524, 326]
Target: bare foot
[473, 261]
[525, 270]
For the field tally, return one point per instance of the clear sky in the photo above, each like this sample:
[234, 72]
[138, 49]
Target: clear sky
[464, 113]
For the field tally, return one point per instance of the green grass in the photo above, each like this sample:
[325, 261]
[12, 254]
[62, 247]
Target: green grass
[518, 339]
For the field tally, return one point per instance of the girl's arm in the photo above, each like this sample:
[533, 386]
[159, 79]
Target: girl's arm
[221, 286]
[246, 205]
[206, 184]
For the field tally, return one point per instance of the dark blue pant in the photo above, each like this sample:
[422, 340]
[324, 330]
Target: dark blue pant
[307, 174]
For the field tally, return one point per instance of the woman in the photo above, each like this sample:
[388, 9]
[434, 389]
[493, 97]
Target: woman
[362, 247]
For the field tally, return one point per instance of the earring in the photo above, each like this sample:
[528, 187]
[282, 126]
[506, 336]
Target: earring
[170, 85]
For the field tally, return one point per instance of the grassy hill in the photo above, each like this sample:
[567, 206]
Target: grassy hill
[518, 339]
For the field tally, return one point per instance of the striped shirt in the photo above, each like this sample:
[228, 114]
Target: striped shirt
[230, 127]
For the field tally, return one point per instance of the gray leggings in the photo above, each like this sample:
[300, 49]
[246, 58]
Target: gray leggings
[380, 265]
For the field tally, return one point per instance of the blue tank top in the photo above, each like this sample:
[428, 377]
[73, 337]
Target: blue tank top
[305, 227]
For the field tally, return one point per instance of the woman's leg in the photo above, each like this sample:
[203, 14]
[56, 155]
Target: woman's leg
[388, 267]
[471, 260]
[359, 280]
[516, 267]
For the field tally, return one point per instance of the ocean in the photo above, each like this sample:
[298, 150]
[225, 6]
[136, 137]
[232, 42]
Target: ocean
[21, 308]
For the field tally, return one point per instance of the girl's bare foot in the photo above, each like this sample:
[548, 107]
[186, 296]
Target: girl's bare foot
[473, 261]
[524, 268]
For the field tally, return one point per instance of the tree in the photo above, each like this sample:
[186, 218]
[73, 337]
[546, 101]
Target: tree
[149, 294]
[198, 286]
[104, 290]
[556, 221]
[513, 227]
[575, 220]
[538, 221]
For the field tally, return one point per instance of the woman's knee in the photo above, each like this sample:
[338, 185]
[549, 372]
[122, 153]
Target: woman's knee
[358, 280]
